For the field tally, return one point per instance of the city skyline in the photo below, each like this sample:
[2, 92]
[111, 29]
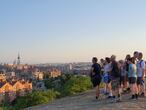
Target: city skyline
[70, 31]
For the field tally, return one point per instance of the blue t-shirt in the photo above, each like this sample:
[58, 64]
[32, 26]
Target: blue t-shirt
[96, 70]
[132, 70]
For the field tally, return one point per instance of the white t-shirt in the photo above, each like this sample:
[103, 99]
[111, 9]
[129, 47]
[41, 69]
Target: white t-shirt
[140, 67]
[107, 68]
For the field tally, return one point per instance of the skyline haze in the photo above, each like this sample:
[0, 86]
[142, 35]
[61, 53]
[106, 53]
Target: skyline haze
[52, 31]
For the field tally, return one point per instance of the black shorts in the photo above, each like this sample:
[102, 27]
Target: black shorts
[132, 80]
[96, 80]
[140, 81]
[123, 80]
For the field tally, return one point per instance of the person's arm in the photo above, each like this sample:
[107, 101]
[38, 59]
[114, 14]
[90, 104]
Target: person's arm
[111, 68]
[143, 69]
[130, 70]
[92, 71]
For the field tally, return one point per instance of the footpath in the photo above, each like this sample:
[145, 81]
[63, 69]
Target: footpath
[86, 101]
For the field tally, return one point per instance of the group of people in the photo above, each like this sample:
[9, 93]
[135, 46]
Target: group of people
[119, 76]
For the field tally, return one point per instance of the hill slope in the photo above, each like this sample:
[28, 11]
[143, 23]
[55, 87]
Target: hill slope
[85, 101]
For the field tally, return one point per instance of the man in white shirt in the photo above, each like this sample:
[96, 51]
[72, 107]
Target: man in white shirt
[141, 75]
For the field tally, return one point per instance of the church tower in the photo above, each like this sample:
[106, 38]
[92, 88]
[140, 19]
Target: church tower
[18, 59]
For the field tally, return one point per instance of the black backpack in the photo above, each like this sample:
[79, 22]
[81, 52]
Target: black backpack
[115, 70]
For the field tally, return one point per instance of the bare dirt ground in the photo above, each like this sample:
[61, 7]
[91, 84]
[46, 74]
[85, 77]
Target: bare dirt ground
[86, 101]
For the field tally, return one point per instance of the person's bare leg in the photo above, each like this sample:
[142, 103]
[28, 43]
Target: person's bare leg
[139, 89]
[136, 91]
[110, 90]
[97, 92]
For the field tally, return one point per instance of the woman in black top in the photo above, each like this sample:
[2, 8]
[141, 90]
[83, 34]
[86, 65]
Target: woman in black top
[127, 69]
[96, 76]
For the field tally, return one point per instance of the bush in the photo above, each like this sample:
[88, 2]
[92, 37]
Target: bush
[57, 83]
[69, 84]
[76, 85]
[65, 85]
[5, 106]
[36, 98]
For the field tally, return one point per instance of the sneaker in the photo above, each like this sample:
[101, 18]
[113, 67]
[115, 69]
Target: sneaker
[113, 99]
[119, 98]
[133, 97]
[142, 95]
[128, 90]
[97, 97]
[136, 96]
[109, 97]
[106, 93]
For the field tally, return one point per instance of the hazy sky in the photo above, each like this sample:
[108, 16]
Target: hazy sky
[70, 30]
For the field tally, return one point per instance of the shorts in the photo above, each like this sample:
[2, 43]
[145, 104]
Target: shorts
[132, 80]
[140, 81]
[107, 79]
[123, 80]
[115, 83]
[96, 80]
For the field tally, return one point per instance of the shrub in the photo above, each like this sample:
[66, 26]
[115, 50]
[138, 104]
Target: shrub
[36, 98]
[57, 83]
[77, 84]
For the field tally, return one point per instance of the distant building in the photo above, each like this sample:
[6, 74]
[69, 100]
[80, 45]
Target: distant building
[55, 73]
[38, 75]
[2, 76]
[9, 91]
[71, 67]
[10, 75]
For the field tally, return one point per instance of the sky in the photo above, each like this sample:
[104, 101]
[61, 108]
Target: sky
[49, 31]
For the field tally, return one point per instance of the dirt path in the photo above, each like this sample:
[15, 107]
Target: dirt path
[85, 101]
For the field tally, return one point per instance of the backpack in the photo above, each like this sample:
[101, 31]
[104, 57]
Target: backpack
[115, 70]
[141, 66]
[141, 63]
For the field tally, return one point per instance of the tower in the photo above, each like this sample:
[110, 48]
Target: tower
[18, 59]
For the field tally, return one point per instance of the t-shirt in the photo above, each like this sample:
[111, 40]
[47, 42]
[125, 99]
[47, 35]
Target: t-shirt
[115, 71]
[123, 71]
[140, 68]
[132, 70]
[107, 68]
[96, 70]
[127, 66]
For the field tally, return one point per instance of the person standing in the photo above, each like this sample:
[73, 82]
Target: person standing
[107, 77]
[115, 82]
[141, 75]
[127, 85]
[123, 74]
[96, 76]
[133, 78]
[135, 56]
